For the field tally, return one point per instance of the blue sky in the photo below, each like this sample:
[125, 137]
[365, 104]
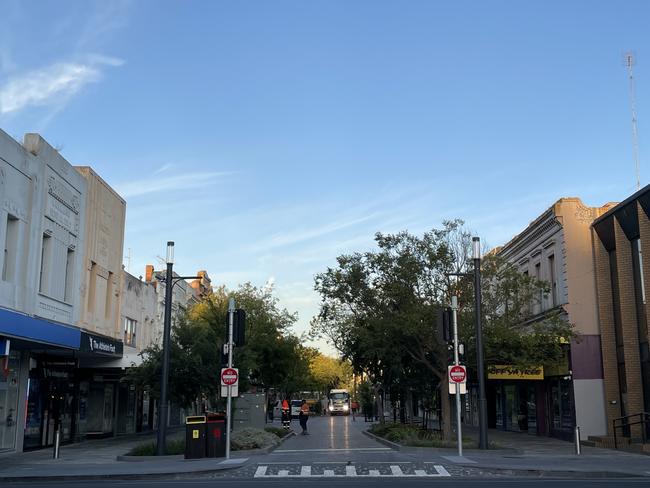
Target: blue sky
[265, 138]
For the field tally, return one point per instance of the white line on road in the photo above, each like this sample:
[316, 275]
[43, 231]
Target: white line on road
[351, 471]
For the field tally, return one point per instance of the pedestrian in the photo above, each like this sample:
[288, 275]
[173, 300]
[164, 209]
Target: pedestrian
[303, 416]
[286, 416]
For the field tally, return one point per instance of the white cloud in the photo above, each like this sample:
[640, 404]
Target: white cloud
[51, 84]
[189, 181]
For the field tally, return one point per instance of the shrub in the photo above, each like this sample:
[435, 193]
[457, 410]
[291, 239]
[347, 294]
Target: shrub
[173, 447]
[249, 438]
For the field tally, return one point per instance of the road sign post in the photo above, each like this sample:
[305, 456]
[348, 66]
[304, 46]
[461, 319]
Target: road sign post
[457, 373]
[231, 314]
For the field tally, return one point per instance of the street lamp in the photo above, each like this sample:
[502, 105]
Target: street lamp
[170, 281]
[482, 411]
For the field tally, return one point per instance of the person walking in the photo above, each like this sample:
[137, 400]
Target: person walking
[286, 415]
[303, 416]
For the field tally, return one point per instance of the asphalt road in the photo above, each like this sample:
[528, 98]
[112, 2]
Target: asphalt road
[356, 483]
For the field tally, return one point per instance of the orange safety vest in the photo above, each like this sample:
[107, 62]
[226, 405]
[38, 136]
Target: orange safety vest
[285, 405]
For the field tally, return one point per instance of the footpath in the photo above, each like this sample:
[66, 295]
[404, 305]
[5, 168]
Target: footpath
[520, 454]
[98, 459]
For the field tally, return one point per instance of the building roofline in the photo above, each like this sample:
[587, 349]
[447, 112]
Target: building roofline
[622, 204]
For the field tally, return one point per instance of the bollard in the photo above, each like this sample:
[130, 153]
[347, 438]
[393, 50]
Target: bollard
[577, 439]
[57, 442]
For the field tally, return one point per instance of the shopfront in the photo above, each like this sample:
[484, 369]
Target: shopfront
[51, 400]
[100, 391]
[518, 395]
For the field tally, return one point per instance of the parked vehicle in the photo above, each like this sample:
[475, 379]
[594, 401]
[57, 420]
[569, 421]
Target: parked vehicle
[295, 408]
[338, 402]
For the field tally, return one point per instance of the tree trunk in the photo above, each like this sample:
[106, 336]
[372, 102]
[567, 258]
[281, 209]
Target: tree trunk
[445, 409]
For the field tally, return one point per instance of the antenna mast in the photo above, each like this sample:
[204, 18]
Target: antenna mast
[629, 63]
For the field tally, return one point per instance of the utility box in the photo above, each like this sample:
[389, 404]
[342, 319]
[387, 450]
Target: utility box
[250, 411]
[195, 437]
[215, 435]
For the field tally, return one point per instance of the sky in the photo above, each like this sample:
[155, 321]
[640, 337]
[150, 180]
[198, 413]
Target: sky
[267, 138]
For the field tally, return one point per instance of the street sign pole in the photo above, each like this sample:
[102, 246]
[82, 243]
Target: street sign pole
[231, 316]
[454, 308]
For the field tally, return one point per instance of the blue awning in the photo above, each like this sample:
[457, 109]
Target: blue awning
[20, 326]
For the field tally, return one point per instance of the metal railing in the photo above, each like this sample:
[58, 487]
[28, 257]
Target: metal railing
[624, 424]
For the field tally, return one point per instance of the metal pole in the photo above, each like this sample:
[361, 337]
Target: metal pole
[162, 411]
[577, 439]
[231, 317]
[459, 432]
[482, 411]
[57, 442]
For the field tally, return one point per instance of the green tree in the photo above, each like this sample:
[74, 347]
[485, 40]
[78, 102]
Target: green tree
[379, 310]
[328, 372]
[272, 357]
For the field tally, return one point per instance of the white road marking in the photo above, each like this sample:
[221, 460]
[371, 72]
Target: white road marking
[351, 471]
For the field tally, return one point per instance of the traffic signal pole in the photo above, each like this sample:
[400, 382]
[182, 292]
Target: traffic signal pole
[454, 322]
[231, 318]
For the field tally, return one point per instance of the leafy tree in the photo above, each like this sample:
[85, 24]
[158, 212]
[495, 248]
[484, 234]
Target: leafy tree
[272, 356]
[328, 372]
[379, 309]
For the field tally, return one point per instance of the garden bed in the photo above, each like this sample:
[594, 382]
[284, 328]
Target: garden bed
[414, 436]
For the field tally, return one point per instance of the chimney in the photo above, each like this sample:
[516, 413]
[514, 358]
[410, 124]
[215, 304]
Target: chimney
[148, 272]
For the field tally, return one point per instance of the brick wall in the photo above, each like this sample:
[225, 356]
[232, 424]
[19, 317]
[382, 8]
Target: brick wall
[629, 325]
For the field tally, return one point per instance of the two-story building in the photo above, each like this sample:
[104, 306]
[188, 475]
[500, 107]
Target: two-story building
[556, 248]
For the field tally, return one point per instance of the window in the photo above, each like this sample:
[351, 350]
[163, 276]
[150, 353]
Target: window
[92, 285]
[551, 268]
[540, 293]
[129, 331]
[46, 265]
[109, 295]
[11, 249]
[69, 276]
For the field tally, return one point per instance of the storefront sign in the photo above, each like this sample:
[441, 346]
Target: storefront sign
[100, 345]
[501, 372]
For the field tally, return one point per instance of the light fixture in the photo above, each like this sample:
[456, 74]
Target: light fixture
[170, 252]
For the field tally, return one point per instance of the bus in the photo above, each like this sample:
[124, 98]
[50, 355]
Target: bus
[338, 402]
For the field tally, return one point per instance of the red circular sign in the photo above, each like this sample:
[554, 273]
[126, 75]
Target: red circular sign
[229, 376]
[457, 374]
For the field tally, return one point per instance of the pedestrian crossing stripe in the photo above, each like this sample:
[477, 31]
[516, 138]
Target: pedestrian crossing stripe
[351, 471]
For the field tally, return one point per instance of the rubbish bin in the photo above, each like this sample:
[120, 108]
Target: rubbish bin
[215, 435]
[195, 434]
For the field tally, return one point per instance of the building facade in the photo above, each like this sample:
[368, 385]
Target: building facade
[556, 248]
[621, 246]
[42, 227]
[101, 392]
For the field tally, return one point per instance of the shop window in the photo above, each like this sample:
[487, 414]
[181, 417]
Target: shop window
[130, 326]
[11, 249]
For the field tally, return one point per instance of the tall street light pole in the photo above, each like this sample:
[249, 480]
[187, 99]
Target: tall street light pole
[482, 411]
[162, 411]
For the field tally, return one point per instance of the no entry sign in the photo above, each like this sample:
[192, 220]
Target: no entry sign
[229, 376]
[457, 374]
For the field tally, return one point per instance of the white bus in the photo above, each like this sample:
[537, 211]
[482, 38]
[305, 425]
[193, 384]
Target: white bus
[338, 402]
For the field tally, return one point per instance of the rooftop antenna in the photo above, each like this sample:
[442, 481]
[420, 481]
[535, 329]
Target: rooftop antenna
[630, 61]
[128, 261]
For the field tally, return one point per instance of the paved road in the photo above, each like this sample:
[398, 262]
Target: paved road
[357, 483]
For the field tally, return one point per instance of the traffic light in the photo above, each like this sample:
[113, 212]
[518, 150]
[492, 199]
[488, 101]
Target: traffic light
[239, 327]
[444, 325]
